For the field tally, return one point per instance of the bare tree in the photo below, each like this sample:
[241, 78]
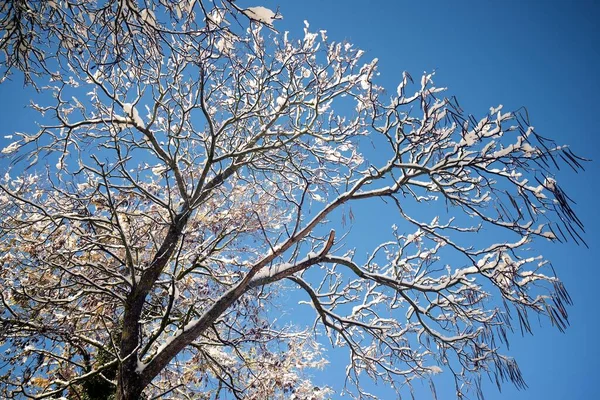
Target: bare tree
[191, 166]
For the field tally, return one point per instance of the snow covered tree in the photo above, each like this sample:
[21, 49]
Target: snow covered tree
[193, 166]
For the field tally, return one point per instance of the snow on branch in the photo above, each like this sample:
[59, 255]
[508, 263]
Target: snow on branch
[186, 174]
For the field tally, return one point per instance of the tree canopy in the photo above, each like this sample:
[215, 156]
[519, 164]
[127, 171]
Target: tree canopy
[193, 165]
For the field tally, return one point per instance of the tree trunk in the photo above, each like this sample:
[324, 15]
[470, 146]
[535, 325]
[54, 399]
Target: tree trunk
[129, 386]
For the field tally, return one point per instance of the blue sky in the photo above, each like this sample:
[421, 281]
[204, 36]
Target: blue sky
[540, 54]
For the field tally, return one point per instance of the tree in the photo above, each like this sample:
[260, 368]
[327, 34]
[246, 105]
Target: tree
[148, 230]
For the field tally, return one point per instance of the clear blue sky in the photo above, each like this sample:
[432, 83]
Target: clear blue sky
[544, 55]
